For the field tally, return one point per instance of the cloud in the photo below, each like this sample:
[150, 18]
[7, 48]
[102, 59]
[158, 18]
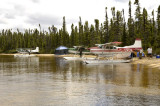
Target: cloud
[9, 16]
[30, 13]
[3, 22]
[43, 19]
[35, 1]
[123, 1]
[19, 8]
[15, 10]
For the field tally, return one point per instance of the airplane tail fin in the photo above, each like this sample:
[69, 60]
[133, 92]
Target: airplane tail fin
[36, 50]
[137, 43]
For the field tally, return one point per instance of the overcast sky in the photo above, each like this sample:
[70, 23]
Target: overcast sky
[25, 14]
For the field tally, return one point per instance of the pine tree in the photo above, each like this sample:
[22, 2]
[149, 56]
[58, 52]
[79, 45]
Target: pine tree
[106, 29]
[86, 34]
[138, 19]
[118, 26]
[158, 21]
[131, 25]
[81, 37]
[111, 31]
[146, 30]
[102, 34]
[158, 26]
[92, 36]
[125, 38]
[97, 34]
[72, 36]
[76, 39]
[65, 35]
[154, 32]
[112, 27]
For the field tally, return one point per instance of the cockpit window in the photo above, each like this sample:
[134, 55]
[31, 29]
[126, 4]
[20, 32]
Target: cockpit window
[114, 47]
[110, 47]
[100, 46]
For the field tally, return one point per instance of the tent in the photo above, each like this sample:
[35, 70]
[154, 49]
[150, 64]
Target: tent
[61, 50]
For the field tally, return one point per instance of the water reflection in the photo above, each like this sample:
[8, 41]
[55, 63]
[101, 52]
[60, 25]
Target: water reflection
[9, 66]
[54, 81]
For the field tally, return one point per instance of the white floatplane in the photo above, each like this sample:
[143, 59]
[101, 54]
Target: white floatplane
[26, 52]
[112, 50]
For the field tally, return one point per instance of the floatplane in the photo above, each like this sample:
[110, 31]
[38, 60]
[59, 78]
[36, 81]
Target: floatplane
[112, 50]
[108, 53]
[26, 52]
[113, 53]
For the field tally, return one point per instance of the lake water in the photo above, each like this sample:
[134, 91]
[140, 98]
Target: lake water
[52, 81]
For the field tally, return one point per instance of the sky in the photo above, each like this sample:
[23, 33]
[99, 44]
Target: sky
[25, 14]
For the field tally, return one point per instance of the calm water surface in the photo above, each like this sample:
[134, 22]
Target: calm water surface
[48, 81]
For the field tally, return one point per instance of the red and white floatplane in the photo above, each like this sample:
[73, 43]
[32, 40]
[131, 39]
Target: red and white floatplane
[112, 50]
[117, 54]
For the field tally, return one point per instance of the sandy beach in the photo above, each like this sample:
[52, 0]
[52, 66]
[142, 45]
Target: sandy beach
[152, 62]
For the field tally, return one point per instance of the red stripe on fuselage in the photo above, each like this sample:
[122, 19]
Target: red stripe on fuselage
[129, 49]
[108, 50]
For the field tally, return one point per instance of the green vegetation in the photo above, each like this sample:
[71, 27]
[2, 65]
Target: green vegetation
[141, 25]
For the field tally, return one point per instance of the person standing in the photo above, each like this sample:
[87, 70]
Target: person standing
[140, 53]
[80, 52]
[149, 51]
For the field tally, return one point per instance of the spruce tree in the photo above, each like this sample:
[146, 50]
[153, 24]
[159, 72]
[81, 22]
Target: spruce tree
[106, 27]
[97, 34]
[130, 25]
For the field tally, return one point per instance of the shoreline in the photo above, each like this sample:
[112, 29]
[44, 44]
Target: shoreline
[151, 62]
[21, 54]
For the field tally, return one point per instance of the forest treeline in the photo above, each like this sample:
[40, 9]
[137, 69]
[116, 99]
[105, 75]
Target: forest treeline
[140, 25]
